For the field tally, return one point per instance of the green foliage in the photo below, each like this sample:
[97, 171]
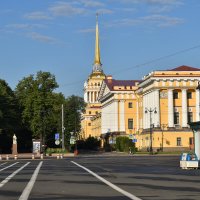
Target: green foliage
[74, 106]
[92, 143]
[36, 98]
[124, 144]
[55, 150]
[9, 111]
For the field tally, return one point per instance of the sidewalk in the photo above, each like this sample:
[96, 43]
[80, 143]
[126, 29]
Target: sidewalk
[33, 156]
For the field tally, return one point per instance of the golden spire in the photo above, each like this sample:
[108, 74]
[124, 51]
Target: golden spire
[97, 47]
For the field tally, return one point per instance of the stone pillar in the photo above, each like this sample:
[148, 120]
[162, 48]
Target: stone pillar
[170, 108]
[157, 106]
[122, 116]
[14, 146]
[197, 106]
[93, 97]
[88, 97]
[184, 108]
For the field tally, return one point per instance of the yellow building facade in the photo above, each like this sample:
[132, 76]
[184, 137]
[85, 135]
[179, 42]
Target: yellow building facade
[119, 107]
[170, 101]
[155, 110]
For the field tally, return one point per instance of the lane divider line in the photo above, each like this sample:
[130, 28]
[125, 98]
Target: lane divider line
[3, 164]
[25, 194]
[8, 166]
[12, 175]
[127, 194]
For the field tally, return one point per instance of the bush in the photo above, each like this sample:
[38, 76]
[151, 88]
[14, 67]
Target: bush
[92, 143]
[124, 144]
[55, 150]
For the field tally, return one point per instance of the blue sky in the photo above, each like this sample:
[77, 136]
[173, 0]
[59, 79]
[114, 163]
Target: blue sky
[59, 37]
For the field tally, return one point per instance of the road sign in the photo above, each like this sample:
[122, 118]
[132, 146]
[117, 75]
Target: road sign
[134, 140]
[57, 142]
[131, 136]
[72, 141]
[57, 136]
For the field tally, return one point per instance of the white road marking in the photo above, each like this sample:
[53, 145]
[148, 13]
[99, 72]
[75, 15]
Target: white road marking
[12, 175]
[3, 164]
[28, 188]
[8, 166]
[127, 194]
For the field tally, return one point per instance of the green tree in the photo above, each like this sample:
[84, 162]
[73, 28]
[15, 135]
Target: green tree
[10, 121]
[73, 107]
[36, 98]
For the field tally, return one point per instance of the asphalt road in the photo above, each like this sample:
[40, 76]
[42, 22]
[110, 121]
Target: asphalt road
[98, 178]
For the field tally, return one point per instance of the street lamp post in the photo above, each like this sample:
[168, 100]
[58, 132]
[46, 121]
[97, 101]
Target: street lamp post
[150, 112]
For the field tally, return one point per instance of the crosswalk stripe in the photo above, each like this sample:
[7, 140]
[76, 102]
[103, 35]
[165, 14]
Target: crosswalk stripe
[8, 166]
[3, 164]
[12, 175]
[28, 188]
[131, 196]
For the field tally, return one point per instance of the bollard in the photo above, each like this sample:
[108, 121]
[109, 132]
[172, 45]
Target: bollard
[57, 156]
[0, 157]
[7, 157]
[15, 157]
[61, 156]
[41, 156]
[33, 156]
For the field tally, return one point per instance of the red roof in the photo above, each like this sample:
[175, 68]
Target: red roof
[112, 82]
[185, 68]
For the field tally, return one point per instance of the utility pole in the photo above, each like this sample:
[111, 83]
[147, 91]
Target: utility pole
[63, 129]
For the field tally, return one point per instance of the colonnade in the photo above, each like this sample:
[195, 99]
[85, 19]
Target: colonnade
[184, 122]
[92, 96]
[152, 100]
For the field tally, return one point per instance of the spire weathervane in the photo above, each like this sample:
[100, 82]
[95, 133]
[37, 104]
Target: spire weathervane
[97, 61]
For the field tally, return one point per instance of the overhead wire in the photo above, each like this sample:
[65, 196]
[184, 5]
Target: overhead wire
[142, 64]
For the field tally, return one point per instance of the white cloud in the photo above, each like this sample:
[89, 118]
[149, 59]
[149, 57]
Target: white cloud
[89, 30]
[156, 6]
[124, 22]
[91, 3]
[65, 9]
[24, 26]
[156, 20]
[104, 11]
[161, 2]
[42, 38]
[37, 16]
[162, 21]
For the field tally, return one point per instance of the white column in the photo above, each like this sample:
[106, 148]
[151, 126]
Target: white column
[144, 114]
[93, 97]
[122, 116]
[137, 115]
[157, 106]
[115, 118]
[89, 97]
[170, 108]
[184, 108]
[197, 105]
[197, 143]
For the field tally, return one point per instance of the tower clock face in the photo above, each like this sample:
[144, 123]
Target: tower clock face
[98, 76]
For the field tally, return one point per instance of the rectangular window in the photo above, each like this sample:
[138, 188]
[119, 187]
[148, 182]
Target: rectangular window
[190, 117]
[130, 123]
[189, 95]
[130, 104]
[191, 141]
[176, 118]
[178, 141]
[89, 124]
[175, 95]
